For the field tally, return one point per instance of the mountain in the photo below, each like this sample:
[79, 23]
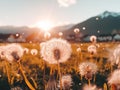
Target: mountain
[107, 14]
[102, 24]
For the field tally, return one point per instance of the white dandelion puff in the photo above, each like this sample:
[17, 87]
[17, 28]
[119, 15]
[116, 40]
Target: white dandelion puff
[60, 34]
[26, 50]
[66, 82]
[93, 38]
[13, 52]
[16, 88]
[90, 87]
[92, 49]
[116, 55]
[55, 50]
[34, 51]
[78, 49]
[47, 35]
[114, 78]
[87, 69]
[76, 30]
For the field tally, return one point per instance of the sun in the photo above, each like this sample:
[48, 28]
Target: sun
[45, 25]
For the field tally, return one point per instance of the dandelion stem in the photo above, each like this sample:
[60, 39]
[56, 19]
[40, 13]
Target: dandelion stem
[7, 71]
[105, 86]
[94, 78]
[111, 68]
[35, 84]
[89, 82]
[81, 77]
[51, 70]
[44, 75]
[25, 78]
[59, 75]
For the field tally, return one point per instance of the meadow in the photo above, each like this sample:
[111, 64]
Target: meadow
[38, 71]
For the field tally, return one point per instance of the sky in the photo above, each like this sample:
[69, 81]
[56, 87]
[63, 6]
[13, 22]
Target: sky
[59, 12]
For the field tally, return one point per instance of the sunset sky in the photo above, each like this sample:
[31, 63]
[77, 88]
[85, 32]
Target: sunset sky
[59, 12]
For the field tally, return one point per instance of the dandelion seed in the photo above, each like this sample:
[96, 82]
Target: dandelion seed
[55, 50]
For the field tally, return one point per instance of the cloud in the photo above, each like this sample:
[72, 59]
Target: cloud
[66, 3]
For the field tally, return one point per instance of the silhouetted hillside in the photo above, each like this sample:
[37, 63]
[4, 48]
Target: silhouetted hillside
[105, 23]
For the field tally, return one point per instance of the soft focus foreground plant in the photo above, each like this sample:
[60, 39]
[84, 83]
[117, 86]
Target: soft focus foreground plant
[114, 80]
[13, 53]
[90, 87]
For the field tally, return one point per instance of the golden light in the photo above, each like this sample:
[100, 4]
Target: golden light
[45, 25]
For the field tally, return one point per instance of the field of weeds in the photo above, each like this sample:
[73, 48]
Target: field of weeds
[37, 71]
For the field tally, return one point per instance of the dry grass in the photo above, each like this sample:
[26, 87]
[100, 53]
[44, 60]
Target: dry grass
[33, 65]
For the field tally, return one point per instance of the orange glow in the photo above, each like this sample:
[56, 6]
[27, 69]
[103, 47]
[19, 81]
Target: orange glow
[45, 25]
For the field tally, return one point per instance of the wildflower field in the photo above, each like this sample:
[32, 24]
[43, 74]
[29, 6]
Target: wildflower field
[31, 71]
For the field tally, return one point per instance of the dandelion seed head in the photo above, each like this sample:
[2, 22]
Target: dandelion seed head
[78, 49]
[66, 81]
[26, 50]
[55, 50]
[114, 78]
[60, 34]
[114, 56]
[34, 51]
[87, 67]
[92, 49]
[13, 52]
[90, 87]
[93, 38]
[76, 30]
